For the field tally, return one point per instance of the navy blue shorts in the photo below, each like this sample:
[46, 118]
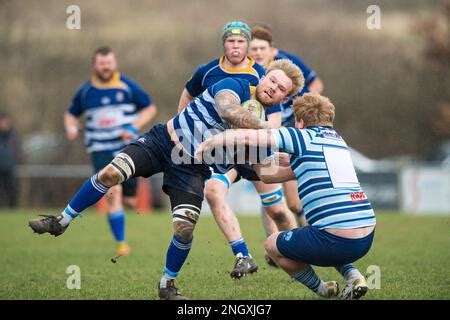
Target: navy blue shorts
[101, 159]
[321, 248]
[246, 171]
[158, 146]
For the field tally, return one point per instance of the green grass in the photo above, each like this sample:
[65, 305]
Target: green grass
[411, 251]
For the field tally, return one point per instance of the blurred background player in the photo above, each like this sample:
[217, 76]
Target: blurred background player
[116, 109]
[236, 63]
[263, 51]
[10, 156]
[340, 217]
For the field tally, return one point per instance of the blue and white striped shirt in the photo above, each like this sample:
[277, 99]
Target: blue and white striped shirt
[200, 119]
[327, 184]
[109, 107]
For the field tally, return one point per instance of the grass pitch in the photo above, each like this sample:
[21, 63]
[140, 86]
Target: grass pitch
[412, 252]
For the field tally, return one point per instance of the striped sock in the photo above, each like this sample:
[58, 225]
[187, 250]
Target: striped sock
[309, 278]
[91, 192]
[176, 255]
[117, 223]
[239, 246]
[344, 269]
[348, 271]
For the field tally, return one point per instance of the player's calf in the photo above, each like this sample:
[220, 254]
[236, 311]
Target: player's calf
[184, 219]
[119, 170]
[185, 213]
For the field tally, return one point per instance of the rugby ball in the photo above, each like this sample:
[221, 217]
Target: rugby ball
[255, 107]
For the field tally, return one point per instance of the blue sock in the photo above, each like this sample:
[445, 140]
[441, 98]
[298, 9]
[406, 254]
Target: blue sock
[239, 246]
[91, 192]
[309, 278]
[117, 223]
[345, 269]
[176, 255]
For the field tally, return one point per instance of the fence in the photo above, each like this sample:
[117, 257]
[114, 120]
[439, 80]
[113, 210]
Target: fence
[418, 189]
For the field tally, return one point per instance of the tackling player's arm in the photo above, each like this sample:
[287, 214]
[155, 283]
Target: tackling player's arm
[185, 99]
[249, 137]
[274, 120]
[275, 171]
[229, 108]
[72, 126]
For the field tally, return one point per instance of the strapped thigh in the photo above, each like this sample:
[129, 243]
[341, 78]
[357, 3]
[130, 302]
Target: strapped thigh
[272, 198]
[185, 206]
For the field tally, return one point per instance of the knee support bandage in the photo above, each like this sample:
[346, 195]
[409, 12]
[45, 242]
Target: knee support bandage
[272, 198]
[124, 165]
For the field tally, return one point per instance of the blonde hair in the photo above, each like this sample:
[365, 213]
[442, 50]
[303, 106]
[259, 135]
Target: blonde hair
[291, 70]
[314, 110]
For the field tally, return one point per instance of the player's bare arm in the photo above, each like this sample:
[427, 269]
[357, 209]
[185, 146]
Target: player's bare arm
[144, 117]
[275, 171]
[185, 99]
[231, 111]
[262, 137]
[71, 125]
[274, 120]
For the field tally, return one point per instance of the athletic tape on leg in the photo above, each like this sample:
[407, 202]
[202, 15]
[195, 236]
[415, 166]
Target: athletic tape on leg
[272, 198]
[186, 212]
[124, 165]
[222, 178]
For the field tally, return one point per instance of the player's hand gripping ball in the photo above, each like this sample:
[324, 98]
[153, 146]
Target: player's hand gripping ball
[255, 107]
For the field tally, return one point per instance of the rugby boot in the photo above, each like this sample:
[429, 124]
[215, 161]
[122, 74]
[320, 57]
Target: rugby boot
[356, 289]
[332, 290]
[170, 292]
[243, 266]
[48, 224]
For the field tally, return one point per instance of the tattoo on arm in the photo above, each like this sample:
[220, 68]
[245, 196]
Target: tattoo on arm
[231, 111]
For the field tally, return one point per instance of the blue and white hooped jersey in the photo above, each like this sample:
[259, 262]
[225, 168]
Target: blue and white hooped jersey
[108, 107]
[327, 183]
[200, 119]
[287, 111]
[209, 74]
